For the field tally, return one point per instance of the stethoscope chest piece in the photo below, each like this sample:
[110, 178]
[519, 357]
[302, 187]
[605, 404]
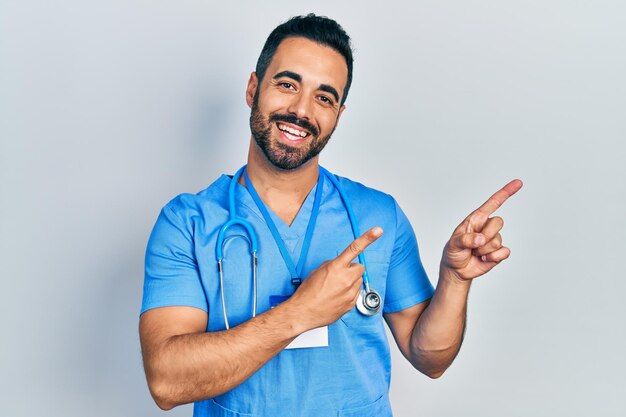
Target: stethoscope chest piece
[368, 302]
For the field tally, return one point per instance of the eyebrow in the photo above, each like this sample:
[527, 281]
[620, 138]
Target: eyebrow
[297, 77]
[330, 89]
[288, 74]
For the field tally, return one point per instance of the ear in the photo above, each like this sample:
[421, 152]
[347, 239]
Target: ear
[341, 109]
[253, 83]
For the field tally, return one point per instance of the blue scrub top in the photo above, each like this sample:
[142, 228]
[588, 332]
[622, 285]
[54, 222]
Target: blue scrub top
[351, 376]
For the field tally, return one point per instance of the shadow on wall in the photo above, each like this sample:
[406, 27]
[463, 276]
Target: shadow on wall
[108, 367]
[221, 136]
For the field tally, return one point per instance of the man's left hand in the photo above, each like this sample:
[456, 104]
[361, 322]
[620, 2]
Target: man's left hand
[476, 244]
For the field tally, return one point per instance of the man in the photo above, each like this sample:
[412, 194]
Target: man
[200, 342]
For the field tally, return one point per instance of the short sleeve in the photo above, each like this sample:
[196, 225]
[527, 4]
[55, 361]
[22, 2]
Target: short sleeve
[171, 271]
[407, 282]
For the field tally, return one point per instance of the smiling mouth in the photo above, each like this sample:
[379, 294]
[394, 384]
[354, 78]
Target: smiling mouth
[292, 133]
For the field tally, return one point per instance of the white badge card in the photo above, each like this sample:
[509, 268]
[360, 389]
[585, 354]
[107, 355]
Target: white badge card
[310, 339]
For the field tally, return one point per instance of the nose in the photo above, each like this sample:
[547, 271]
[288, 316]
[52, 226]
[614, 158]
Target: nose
[300, 106]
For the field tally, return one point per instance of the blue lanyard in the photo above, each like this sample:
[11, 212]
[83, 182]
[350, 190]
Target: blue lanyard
[294, 271]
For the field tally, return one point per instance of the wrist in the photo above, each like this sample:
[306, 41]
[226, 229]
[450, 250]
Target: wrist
[294, 316]
[450, 277]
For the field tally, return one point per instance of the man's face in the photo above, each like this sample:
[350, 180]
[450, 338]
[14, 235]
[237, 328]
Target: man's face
[296, 107]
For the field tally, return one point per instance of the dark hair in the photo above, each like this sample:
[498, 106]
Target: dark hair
[319, 29]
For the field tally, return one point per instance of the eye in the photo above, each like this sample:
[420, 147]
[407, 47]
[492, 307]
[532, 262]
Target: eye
[326, 100]
[287, 85]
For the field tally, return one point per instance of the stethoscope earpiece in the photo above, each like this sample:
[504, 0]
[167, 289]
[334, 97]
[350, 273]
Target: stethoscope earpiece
[368, 303]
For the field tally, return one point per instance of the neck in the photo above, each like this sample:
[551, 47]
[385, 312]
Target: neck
[281, 190]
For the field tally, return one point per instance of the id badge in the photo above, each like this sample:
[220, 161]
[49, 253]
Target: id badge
[310, 339]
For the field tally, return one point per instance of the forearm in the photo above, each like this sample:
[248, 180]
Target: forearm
[187, 364]
[191, 367]
[437, 336]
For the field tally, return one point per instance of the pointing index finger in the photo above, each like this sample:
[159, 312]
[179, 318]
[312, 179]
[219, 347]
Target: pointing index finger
[496, 200]
[358, 245]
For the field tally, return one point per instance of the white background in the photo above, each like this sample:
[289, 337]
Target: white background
[110, 109]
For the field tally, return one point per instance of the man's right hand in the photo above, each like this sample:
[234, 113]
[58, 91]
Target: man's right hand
[185, 363]
[331, 290]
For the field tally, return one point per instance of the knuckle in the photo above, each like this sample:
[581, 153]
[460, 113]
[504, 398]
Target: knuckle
[502, 255]
[354, 248]
[481, 250]
[499, 221]
[468, 240]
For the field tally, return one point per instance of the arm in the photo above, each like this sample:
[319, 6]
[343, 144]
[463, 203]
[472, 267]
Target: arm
[429, 334]
[183, 363]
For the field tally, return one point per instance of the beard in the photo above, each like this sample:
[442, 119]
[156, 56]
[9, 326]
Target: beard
[282, 155]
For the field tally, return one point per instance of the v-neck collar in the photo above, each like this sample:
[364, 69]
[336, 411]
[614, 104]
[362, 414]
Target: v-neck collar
[298, 227]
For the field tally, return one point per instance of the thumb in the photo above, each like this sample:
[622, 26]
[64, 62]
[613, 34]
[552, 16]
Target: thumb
[464, 241]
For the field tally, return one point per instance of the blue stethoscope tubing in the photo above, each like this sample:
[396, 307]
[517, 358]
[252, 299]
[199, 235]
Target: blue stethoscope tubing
[368, 302]
[219, 249]
[352, 218]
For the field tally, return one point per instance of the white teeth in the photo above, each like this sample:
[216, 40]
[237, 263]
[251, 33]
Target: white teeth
[293, 131]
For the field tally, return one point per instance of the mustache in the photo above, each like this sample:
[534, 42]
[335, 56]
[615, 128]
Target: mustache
[290, 118]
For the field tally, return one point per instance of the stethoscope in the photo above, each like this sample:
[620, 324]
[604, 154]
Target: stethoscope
[369, 301]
